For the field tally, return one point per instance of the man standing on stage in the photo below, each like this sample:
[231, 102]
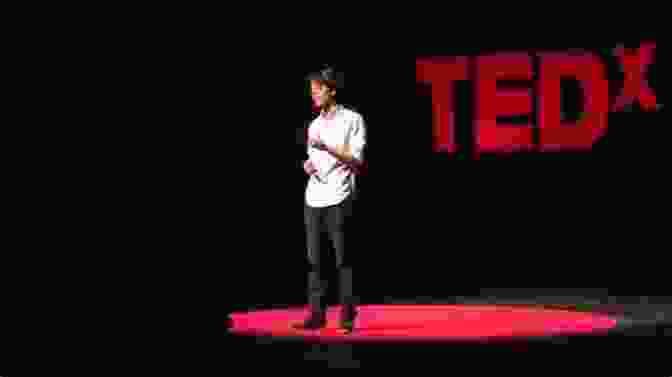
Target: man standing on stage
[336, 140]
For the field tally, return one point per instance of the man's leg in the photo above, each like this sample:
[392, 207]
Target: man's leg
[339, 221]
[317, 285]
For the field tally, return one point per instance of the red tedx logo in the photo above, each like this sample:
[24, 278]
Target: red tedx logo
[493, 102]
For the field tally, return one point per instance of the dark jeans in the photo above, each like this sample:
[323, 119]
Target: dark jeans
[336, 221]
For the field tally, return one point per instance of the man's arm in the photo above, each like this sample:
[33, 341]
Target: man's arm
[351, 152]
[344, 154]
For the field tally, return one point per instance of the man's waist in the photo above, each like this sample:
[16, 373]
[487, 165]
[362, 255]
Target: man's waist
[335, 168]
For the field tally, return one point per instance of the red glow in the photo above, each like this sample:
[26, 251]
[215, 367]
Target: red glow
[427, 323]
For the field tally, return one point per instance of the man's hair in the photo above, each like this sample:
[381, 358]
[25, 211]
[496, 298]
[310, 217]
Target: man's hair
[327, 76]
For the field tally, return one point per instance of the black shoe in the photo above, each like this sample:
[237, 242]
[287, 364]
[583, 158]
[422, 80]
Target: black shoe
[347, 324]
[312, 323]
[347, 320]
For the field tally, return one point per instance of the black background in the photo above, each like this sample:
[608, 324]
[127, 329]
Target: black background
[171, 189]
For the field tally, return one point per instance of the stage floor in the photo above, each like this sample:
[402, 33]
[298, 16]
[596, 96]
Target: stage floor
[495, 337]
[424, 323]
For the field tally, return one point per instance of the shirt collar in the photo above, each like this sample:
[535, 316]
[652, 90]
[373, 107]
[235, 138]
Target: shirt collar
[333, 114]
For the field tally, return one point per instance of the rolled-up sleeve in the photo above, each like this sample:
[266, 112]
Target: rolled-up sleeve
[357, 138]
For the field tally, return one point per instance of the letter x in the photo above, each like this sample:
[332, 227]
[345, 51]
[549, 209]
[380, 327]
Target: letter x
[635, 85]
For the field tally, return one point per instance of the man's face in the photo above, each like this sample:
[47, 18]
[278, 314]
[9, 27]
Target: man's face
[320, 93]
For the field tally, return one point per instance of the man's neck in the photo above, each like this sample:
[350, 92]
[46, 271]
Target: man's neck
[329, 109]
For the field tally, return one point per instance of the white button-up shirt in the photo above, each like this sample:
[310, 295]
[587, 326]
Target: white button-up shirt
[334, 180]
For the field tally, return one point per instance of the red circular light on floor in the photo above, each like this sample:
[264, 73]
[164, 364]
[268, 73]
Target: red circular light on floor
[427, 323]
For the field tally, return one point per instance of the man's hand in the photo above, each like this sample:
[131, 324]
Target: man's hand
[308, 167]
[340, 152]
[317, 144]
